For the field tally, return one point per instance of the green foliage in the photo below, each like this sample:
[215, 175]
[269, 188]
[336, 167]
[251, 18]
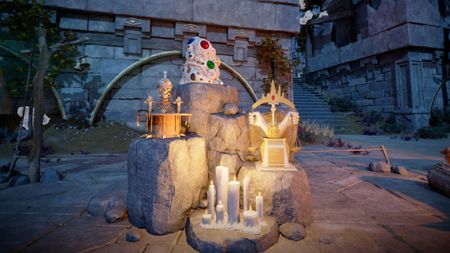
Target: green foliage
[393, 125]
[436, 132]
[439, 118]
[341, 104]
[371, 118]
[19, 25]
[439, 126]
[273, 63]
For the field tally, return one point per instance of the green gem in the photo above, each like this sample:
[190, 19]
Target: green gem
[210, 64]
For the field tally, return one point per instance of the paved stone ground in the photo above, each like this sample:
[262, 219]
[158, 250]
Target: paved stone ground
[355, 210]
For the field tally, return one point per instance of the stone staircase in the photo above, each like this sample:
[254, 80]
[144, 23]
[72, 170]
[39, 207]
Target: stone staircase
[312, 107]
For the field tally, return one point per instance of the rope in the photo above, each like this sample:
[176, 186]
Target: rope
[19, 139]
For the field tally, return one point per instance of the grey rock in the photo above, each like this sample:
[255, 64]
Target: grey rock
[19, 180]
[228, 134]
[293, 231]
[3, 179]
[230, 109]
[287, 195]
[133, 236]
[50, 176]
[400, 170]
[113, 196]
[379, 166]
[439, 178]
[203, 99]
[116, 213]
[228, 240]
[166, 177]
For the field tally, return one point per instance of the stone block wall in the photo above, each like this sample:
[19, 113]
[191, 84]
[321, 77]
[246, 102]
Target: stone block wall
[394, 64]
[120, 35]
[115, 42]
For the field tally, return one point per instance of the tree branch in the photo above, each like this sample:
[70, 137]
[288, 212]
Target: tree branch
[58, 45]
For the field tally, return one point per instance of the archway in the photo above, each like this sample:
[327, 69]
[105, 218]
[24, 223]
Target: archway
[148, 60]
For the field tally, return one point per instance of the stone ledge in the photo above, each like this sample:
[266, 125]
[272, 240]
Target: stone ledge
[213, 240]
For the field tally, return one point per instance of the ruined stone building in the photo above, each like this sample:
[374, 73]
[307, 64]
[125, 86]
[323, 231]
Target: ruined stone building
[122, 32]
[385, 55]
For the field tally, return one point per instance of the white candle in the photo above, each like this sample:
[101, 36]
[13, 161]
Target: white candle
[206, 218]
[259, 206]
[233, 201]
[211, 198]
[246, 183]
[222, 185]
[219, 212]
[250, 218]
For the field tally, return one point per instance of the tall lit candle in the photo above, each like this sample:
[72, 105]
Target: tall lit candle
[246, 184]
[233, 201]
[211, 198]
[222, 185]
[250, 218]
[219, 213]
[259, 206]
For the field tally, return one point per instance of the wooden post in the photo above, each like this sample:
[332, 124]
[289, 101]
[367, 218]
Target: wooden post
[383, 149]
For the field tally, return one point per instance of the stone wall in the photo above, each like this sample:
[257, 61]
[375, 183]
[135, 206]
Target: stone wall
[122, 34]
[394, 63]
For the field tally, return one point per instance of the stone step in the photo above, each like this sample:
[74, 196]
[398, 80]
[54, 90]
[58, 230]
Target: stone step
[322, 120]
[317, 100]
[312, 107]
[310, 103]
[315, 112]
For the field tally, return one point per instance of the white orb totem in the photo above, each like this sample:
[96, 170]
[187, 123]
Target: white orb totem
[202, 64]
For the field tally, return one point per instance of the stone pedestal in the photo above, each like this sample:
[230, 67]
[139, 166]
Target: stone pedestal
[203, 99]
[166, 178]
[227, 141]
[287, 195]
[226, 134]
[214, 240]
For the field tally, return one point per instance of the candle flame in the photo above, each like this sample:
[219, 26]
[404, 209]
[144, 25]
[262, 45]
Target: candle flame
[206, 211]
[211, 182]
[259, 193]
[234, 177]
[250, 207]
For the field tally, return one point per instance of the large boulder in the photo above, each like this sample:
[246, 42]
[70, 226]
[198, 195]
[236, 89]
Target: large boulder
[286, 194]
[203, 99]
[215, 116]
[166, 178]
[227, 141]
[439, 178]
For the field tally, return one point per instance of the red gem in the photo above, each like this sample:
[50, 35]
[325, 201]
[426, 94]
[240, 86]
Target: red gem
[204, 44]
[273, 97]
